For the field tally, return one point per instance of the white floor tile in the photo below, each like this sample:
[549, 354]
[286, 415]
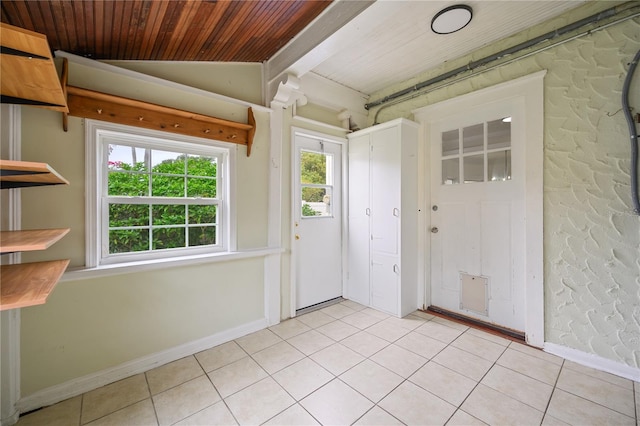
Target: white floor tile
[258, 341]
[601, 375]
[110, 398]
[337, 358]
[478, 346]
[234, 377]
[488, 336]
[399, 360]
[460, 418]
[63, 413]
[218, 414]
[439, 331]
[315, 319]
[338, 330]
[360, 320]
[444, 383]
[289, 328]
[574, 410]
[140, 413]
[388, 331]
[421, 345]
[259, 402]
[496, 408]
[371, 380]
[293, 416]
[410, 322]
[353, 305]
[364, 343]
[220, 356]
[378, 417]
[536, 353]
[310, 342]
[277, 357]
[529, 365]
[336, 404]
[184, 400]
[523, 388]
[620, 399]
[302, 378]
[337, 311]
[463, 362]
[173, 374]
[413, 405]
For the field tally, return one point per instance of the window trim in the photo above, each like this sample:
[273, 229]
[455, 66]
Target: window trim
[96, 133]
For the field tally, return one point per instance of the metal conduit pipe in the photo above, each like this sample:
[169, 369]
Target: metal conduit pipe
[633, 171]
[488, 59]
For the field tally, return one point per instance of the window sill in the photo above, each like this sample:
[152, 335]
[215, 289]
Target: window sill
[131, 267]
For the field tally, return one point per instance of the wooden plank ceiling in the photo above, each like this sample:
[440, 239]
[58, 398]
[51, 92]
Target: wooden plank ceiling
[167, 30]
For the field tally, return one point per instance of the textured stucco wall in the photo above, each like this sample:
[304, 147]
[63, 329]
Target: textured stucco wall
[591, 236]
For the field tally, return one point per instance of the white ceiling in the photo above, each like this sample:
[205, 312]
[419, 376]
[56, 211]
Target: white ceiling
[391, 41]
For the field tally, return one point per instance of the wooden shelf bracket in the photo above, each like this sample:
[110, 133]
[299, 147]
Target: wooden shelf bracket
[102, 106]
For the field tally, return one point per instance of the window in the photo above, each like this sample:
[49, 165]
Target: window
[316, 183]
[155, 195]
[477, 153]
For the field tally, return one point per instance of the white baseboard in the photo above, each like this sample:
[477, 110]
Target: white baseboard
[80, 385]
[11, 420]
[593, 361]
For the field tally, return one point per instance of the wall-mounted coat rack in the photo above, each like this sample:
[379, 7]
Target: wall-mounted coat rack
[102, 106]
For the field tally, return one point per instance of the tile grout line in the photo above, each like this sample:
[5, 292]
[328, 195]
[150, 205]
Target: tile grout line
[153, 404]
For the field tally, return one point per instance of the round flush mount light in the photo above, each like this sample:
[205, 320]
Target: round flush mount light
[451, 19]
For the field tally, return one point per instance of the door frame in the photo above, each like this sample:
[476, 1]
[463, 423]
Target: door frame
[530, 91]
[295, 131]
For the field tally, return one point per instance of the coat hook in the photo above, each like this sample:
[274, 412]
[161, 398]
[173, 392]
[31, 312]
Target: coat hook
[140, 118]
[99, 110]
[207, 131]
[176, 125]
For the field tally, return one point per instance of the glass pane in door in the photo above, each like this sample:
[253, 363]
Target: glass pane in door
[450, 171]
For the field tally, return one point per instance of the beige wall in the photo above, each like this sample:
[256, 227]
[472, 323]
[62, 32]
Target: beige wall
[93, 324]
[591, 236]
[238, 80]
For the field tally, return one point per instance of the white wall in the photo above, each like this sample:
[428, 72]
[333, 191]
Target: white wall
[591, 236]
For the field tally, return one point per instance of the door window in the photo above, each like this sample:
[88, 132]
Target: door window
[477, 153]
[316, 184]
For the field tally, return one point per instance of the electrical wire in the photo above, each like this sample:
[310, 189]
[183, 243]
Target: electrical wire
[633, 134]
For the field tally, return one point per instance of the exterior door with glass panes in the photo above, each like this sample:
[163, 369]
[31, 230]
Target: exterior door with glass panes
[317, 219]
[477, 214]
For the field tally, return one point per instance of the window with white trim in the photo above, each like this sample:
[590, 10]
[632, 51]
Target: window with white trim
[155, 195]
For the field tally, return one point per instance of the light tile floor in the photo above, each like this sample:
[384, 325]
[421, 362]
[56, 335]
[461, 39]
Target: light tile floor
[347, 364]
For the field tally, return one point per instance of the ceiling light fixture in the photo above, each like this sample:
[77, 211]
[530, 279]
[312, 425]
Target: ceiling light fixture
[451, 19]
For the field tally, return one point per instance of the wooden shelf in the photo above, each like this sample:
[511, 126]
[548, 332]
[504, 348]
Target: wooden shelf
[29, 76]
[30, 240]
[29, 284]
[19, 174]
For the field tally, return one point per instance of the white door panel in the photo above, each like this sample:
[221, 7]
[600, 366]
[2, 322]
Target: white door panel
[359, 210]
[385, 200]
[317, 200]
[384, 283]
[479, 221]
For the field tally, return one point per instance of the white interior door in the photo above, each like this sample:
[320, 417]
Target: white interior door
[477, 214]
[317, 200]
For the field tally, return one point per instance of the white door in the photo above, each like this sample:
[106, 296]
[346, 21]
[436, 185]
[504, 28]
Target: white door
[317, 201]
[477, 214]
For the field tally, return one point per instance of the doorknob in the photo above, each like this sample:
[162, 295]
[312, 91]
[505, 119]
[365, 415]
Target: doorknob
[434, 230]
